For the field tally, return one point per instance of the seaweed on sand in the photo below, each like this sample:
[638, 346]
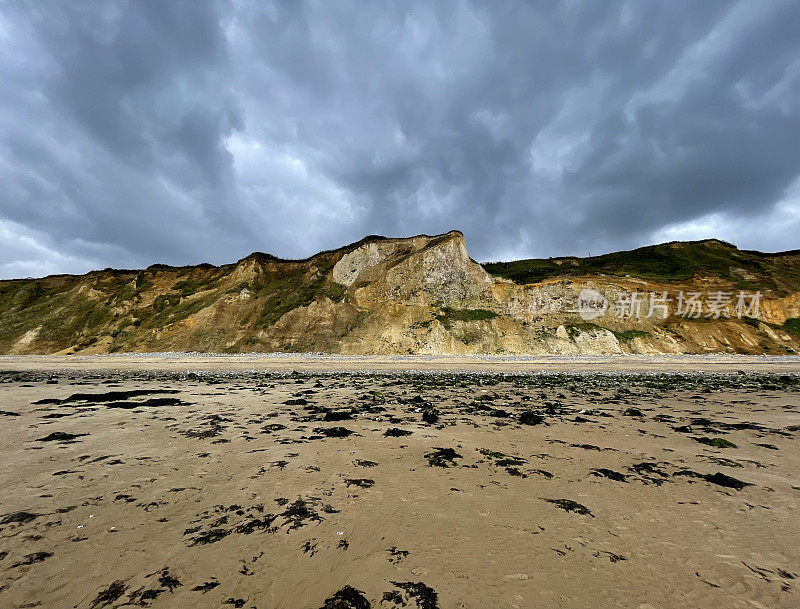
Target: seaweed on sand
[299, 513]
[32, 559]
[531, 418]
[108, 595]
[715, 442]
[424, 596]
[360, 482]
[206, 586]
[430, 416]
[334, 432]
[571, 506]
[347, 598]
[442, 457]
[61, 436]
[18, 518]
[602, 472]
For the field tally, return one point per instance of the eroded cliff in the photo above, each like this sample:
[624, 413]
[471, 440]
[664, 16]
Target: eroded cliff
[418, 295]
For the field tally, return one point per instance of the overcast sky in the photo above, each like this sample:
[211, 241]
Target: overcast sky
[182, 132]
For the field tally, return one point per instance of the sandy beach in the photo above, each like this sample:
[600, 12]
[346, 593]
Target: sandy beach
[318, 362]
[291, 482]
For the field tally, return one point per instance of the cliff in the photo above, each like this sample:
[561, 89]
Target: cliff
[418, 295]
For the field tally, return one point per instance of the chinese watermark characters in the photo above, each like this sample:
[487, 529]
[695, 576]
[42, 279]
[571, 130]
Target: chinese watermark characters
[689, 305]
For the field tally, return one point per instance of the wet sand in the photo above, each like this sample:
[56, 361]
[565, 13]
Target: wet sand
[174, 484]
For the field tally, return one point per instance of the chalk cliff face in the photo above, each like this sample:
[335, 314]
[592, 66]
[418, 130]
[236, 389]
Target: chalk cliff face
[420, 271]
[417, 295]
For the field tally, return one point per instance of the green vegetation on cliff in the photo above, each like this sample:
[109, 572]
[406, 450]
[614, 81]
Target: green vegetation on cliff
[448, 315]
[668, 262]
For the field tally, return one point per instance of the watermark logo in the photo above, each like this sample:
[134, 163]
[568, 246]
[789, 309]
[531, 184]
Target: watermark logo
[689, 305]
[591, 304]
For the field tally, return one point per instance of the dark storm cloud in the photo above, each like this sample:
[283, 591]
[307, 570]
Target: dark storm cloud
[134, 132]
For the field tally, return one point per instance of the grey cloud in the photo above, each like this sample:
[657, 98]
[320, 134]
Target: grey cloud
[180, 132]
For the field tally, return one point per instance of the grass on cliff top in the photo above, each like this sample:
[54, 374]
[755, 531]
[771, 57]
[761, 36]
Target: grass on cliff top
[669, 262]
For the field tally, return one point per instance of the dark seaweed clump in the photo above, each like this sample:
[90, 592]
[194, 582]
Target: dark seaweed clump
[206, 586]
[97, 398]
[571, 506]
[727, 481]
[396, 556]
[18, 518]
[719, 479]
[299, 513]
[424, 596]
[715, 442]
[252, 519]
[143, 597]
[254, 524]
[334, 432]
[442, 457]
[109, 595]
[430, 415]
[32, 559]
[150, 402]
[109, 396]
[395, 432]
[296, 402]
[361, 482]
[61, 436]
[337, 415]
[602, 472]
[347, 598]
[393, 596]
[531, 418]
[649, 473]
[210, 536]
[166, 579]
